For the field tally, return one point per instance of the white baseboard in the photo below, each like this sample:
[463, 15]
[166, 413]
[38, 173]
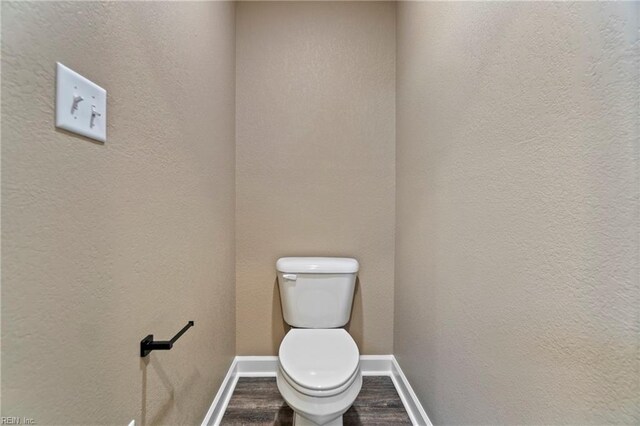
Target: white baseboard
[257, 366]
[219, 404]
[409, 398]
[266, 366]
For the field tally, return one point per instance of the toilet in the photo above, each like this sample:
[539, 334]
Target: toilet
[319, 363]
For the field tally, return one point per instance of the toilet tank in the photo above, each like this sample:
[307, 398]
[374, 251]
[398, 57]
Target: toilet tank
[317, 292]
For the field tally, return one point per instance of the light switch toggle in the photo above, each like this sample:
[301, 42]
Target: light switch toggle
[94, 114]
[76, 100]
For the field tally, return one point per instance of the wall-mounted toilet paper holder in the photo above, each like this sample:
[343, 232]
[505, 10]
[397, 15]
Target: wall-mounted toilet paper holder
[147, 344]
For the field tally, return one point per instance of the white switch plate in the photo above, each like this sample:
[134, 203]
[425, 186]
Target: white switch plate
[89, 118]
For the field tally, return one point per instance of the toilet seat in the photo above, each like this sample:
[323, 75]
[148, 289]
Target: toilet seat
[318, 393]
[319, 362]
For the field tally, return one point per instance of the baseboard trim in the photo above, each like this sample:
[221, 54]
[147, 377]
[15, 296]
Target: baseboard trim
[409, 398]
[257, 366]
[219, 404]
[266, 366]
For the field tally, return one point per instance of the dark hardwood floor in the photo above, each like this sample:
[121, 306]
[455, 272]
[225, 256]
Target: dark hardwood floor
[256, 401]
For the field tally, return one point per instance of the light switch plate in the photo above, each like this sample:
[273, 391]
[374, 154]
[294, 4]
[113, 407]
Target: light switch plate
[81, 105]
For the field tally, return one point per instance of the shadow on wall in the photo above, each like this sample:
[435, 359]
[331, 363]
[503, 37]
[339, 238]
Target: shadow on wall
[166, 383]
[355, 324]
[160, 405]
[279, 327]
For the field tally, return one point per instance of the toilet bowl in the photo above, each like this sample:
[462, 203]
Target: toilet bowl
[319, 375]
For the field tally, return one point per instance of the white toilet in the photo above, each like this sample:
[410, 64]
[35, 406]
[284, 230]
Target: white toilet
[319, 363]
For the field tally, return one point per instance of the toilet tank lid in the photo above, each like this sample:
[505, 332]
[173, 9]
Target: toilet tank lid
[317, 265]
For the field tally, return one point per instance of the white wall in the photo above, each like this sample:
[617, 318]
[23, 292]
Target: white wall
[517, 281]
[315, 157]
[104, 244]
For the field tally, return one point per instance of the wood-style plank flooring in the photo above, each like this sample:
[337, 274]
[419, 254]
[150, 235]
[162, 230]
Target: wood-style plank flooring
[257, 401]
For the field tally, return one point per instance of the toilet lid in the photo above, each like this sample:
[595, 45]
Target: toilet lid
[319, 359]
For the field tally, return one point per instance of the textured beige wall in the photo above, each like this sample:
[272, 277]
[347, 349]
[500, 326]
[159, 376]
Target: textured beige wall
[103, 244]
[315, 153]
[517, 290]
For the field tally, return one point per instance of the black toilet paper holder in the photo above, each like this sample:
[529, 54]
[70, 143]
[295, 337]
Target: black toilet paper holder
[148, 344]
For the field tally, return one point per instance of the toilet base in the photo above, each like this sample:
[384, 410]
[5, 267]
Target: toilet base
[318, 410]
[298, 420]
